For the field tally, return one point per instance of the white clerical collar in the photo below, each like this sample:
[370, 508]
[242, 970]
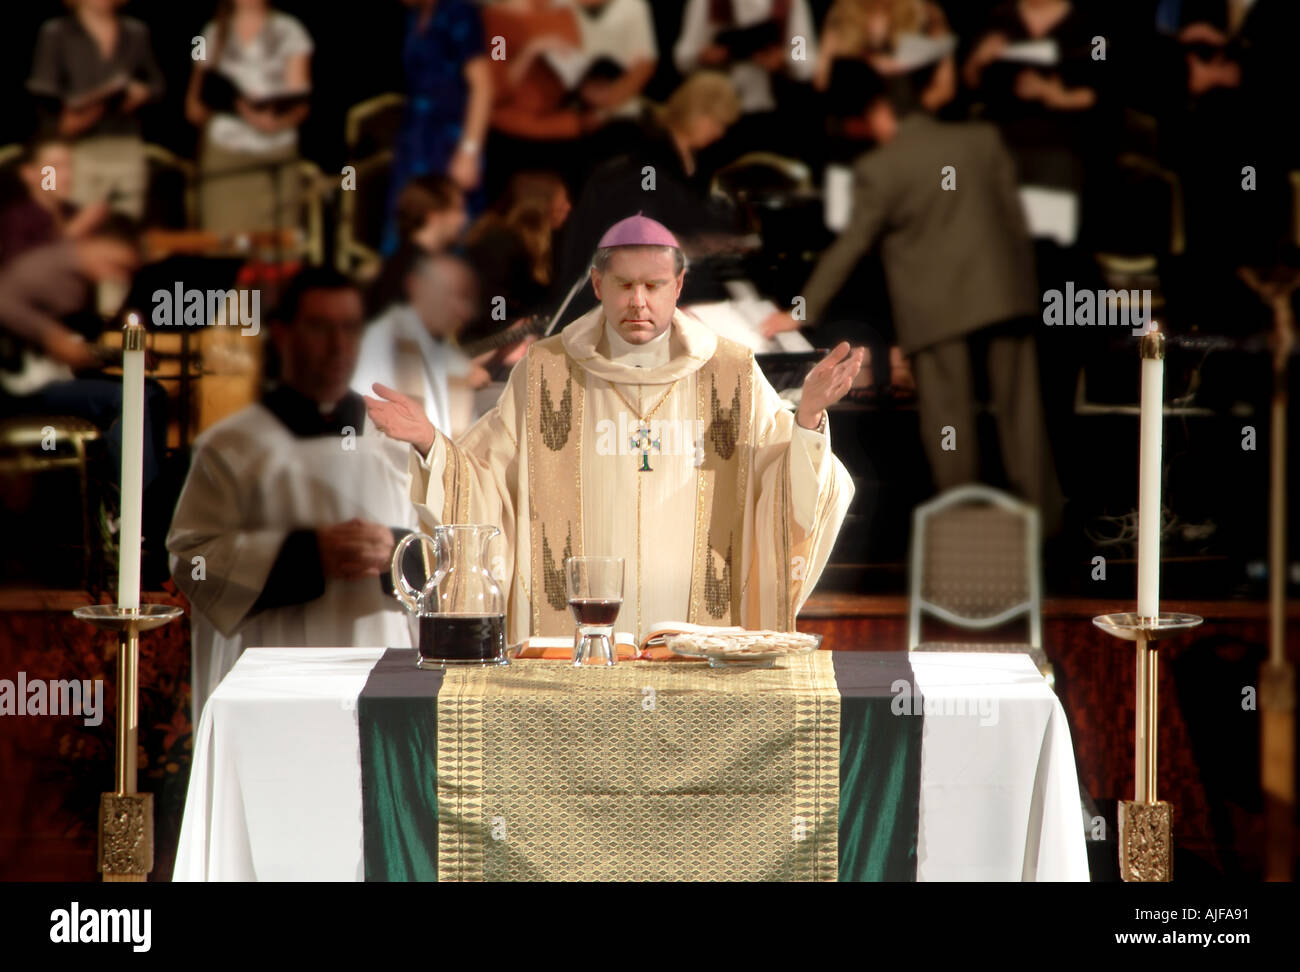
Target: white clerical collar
[652, 354]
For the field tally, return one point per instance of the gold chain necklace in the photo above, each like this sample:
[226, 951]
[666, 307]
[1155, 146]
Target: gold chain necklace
[644, 440]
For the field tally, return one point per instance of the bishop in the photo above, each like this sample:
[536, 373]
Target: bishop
[733, 520]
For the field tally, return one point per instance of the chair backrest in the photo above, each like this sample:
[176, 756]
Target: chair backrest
[9, 155]
[759, 172]
[362, 213]
[1150, 197]
[372, 125]
[170, 195]
[975, 562]
[313, 186]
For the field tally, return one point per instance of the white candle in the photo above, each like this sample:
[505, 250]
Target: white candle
[1151, 428]
[128, 565]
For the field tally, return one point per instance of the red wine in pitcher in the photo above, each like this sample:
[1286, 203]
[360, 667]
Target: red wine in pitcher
[463, 637]
[595, 610]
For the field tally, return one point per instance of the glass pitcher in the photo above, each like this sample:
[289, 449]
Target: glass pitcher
[461, 610]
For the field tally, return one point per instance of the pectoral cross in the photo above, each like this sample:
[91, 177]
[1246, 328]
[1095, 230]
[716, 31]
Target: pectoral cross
[643, 436]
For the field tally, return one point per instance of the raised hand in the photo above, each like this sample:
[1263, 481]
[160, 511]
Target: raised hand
[828, 382]
[400, 417]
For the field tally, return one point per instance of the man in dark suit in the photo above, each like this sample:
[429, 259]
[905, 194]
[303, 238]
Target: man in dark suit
[940, 199]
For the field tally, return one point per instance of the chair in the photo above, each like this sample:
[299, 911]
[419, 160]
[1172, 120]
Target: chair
[23, 454]
[975, 565]
[1150, 197]
[10, 154]
[758, 173]
[361, 215]
[171, 197]
[371, 125]
[312, 184]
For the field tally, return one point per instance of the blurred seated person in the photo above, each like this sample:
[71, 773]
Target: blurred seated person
[449, 98]
[512, 248]
[92, 71]
[431, 217]
[50, 363]
[533, 118]
[412, 345]
[248, 97]
[769, 50]
[288, 518]
[37, 208]
[695, 116]
[907, 41]
[1044, 110]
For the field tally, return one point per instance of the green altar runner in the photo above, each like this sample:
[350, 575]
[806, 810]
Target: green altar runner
[645, 771]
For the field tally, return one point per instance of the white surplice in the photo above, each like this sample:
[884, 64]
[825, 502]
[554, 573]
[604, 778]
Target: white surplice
[397, 350]
[251, 483]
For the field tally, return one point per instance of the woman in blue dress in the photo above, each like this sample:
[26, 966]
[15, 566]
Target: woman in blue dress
[449, 98]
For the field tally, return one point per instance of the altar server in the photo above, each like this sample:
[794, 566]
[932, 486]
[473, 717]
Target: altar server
[285, 526]
[411, 346]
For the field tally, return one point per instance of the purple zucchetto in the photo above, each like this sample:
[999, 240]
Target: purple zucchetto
[638, 230]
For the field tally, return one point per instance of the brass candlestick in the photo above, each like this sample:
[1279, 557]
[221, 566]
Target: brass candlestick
[125, 816]
[1146, 824]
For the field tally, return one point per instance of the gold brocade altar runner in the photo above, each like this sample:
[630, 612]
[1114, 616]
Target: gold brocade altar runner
[648, 770]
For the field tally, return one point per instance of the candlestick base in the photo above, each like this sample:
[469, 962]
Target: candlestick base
[1146, 841]
[125, 836]
[126, 817]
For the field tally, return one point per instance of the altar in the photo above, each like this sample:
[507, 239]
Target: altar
[335, 765]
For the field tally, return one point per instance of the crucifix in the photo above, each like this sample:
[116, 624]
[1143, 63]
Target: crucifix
[642, 442]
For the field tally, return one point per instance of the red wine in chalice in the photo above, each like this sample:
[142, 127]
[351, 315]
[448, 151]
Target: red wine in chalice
[595, 610]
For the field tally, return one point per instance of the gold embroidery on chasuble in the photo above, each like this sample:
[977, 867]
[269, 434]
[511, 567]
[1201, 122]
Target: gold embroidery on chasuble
[455, 486]
[724, 424]
[556, 423]
[721, 482]
[553, 573]
[717, 589]
[554, 480]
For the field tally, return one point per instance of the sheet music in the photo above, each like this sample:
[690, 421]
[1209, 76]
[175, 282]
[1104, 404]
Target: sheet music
[1042, 52]
[837, 197]
[917, 50]
[1051, 213]
[569, 66]
[738, 320]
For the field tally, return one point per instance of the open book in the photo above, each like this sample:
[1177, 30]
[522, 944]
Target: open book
[112, 93]
[219, 93]
[651, 647]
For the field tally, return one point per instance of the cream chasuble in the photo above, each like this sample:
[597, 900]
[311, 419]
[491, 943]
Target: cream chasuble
[731, 523]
